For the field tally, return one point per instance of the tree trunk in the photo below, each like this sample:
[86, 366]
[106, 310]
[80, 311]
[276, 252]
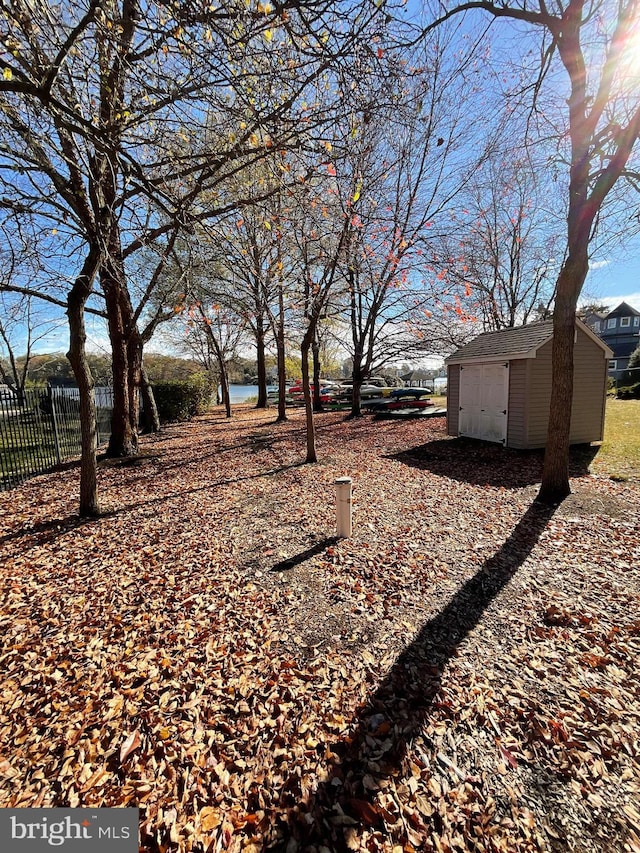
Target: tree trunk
[224, 387]
[308, 407]
[121, 441]
[581, 214]
[134, 366]
[261, 364]
[76, 300]
[555, 474]
[356, 401]
[124, 433]
[224, 377]
[149, 409]
[317, 402]
[282, 374]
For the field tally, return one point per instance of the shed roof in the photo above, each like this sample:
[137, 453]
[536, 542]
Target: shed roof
[521, 342]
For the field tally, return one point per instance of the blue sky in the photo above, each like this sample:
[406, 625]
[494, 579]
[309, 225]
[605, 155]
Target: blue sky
[615, 283]
[615, 277]
[612, 279]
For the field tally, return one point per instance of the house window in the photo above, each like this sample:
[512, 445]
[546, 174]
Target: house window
[611, 324]
[613, 364]
[636, 321]
[625, 321]
[596, 326]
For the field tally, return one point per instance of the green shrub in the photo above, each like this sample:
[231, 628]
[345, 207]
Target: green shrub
[629, 392]
[181, 400]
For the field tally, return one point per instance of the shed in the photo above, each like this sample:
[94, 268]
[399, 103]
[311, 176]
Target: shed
[499, 386]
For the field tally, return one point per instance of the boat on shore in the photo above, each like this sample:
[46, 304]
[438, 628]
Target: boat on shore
[376, 396]
[410, 412]
[400, 398]
[412, 392]
[388, 405]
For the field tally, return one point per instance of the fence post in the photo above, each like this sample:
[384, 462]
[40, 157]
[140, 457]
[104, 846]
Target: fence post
[56, 437]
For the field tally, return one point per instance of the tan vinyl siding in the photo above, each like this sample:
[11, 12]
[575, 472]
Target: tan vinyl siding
[587, 413]
[539, 397]
[530, 388]
[453, 398]
[589, 388]
[517, 414]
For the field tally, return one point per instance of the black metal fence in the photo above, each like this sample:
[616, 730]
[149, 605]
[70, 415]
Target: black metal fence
[41, 429]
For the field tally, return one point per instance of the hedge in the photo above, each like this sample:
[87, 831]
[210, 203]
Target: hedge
[181, 400]
[629, 392]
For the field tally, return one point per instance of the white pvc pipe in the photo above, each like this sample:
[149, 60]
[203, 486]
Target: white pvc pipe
[343, 506]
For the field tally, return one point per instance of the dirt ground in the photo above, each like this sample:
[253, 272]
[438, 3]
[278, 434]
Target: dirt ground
[459, 675]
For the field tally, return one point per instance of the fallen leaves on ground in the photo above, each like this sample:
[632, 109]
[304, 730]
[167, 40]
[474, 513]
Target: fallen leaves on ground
[460, 675]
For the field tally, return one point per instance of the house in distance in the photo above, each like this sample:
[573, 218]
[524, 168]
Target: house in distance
[499, 386]
[620, 330]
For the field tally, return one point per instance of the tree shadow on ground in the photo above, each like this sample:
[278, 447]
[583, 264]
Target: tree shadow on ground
[481, 463]
[52, 529]
[256, 443]
[303, 556]
[399, 709]
[206, 487]
[49, 531]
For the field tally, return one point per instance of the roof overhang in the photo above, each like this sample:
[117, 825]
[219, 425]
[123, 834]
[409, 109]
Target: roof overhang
[531, 353]
[596, 338]
[491, 359]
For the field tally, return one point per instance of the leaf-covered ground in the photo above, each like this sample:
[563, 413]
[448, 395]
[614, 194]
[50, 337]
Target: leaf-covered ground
[460, 675]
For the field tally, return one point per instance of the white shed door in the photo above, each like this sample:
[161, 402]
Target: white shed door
[484, 392]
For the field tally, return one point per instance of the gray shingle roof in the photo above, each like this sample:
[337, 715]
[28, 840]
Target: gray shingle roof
[623, 310]
[506, 343]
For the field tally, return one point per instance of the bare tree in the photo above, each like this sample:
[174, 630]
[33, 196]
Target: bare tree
[262, 264]
[319, 254]
[595, 45]
[244, 252]
[503, 259]
[223, 332]
[23, 324]
[105, 103]
[407, 160]
[203, 304]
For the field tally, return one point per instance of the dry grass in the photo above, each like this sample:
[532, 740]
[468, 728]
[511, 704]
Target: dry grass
[619, 455]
